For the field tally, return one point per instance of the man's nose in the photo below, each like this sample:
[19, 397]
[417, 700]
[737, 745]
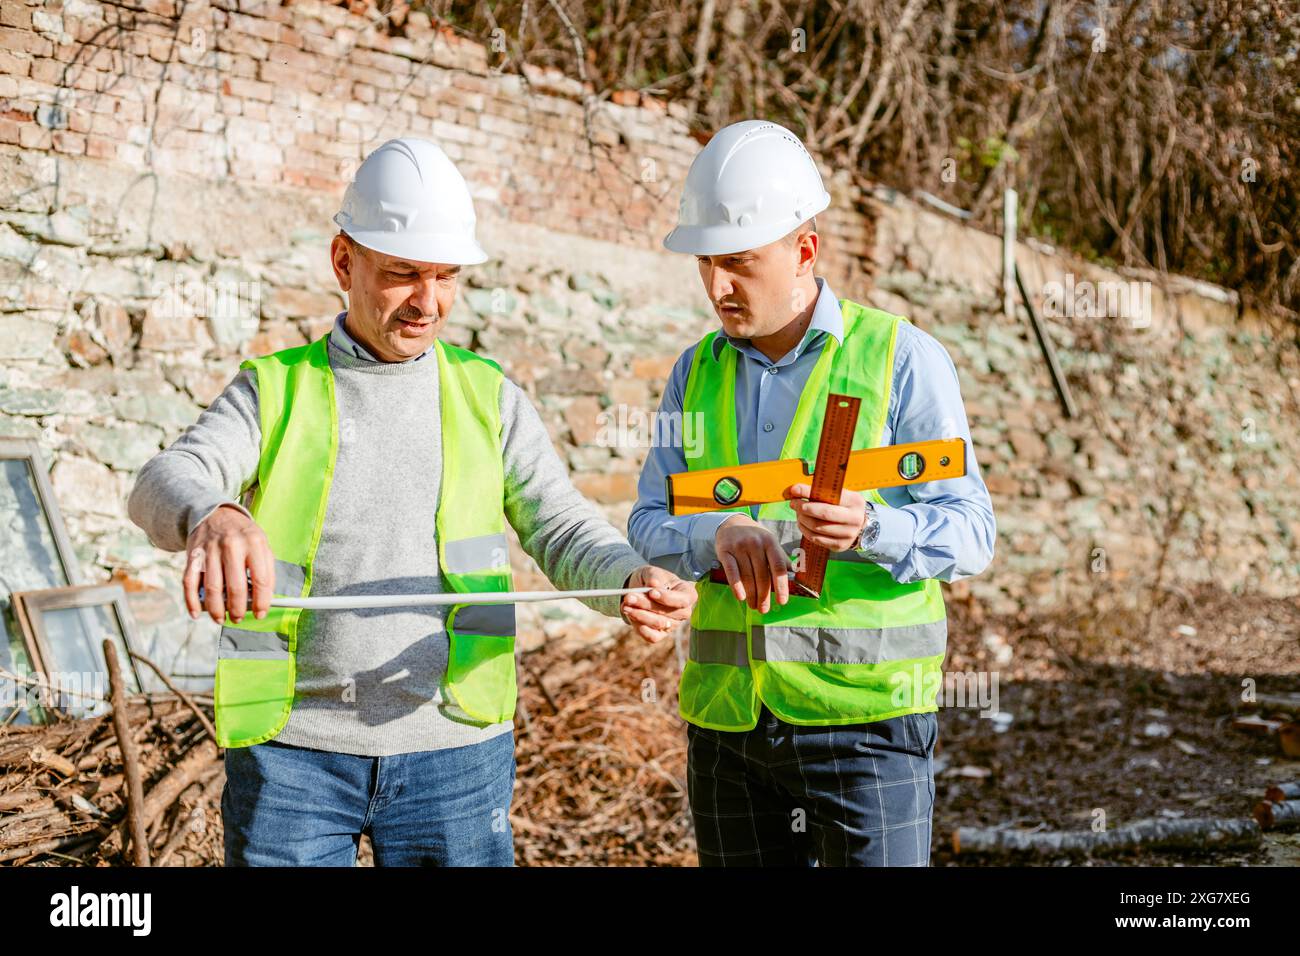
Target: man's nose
[425, 298]
[719, 284]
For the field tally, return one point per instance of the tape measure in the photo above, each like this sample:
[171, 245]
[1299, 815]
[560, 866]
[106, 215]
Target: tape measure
[351, 602]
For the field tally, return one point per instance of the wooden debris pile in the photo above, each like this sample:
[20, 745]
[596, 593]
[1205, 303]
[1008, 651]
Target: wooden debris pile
[64, 786]
[602, 759]
[601, 773]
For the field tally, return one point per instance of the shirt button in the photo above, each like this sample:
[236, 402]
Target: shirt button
[771, 370]
[767, 426]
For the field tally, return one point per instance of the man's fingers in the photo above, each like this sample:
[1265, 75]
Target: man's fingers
[750, 585]
[261, 564]
[659, 578]
[631, 602]
[760, 595]
[762, 580]
[650, 619]
[776, 568]
[731, 567]
[214, 586]
[835, 529]
[840, 543]
[233, 563]
[190, 581]
[817, 535]
[829, 530]
[673, 613]
[674, 597]
[681, 613]
[821, 513]
[831, 514]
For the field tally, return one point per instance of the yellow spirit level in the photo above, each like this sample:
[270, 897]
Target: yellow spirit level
[837, 468]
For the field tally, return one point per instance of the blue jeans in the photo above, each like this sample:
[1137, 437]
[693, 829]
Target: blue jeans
[294, 806]
[786, 795]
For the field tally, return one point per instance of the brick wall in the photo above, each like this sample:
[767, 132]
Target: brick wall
[296, 95]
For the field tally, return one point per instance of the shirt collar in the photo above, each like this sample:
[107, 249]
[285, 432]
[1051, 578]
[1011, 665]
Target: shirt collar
[350, 345]
[826, 317]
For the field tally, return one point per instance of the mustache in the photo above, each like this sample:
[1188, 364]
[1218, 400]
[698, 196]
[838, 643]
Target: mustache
[411, 315]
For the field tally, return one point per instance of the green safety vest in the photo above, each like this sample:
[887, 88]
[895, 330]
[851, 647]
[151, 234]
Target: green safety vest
[869, 648]
[300, 438]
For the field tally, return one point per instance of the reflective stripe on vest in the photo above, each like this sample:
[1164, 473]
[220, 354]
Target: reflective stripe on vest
[256, 660]
[869, 648]
[264, 645]
[847, 645]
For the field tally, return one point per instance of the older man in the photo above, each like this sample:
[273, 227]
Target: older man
[812, 722]
[378, 460]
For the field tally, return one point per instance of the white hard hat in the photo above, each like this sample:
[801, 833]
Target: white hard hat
[408, 199]
[752, 184]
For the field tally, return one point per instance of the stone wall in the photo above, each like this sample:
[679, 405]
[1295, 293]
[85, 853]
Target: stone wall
[1181, 465]
[167, 178]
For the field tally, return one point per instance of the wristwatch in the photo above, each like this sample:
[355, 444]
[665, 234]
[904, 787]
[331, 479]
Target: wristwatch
[871, 530]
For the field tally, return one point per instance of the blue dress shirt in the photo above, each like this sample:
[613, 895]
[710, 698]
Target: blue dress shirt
[938, 529]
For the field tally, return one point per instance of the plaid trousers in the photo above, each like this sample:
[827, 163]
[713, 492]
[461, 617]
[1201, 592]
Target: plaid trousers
[786, 795]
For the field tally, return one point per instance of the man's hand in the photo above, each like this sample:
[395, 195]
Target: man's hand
[657, 612]
[836, 527]
[224, 544]
[753, 561]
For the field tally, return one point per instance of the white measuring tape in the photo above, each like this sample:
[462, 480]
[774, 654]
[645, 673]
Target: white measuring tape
[348, 602]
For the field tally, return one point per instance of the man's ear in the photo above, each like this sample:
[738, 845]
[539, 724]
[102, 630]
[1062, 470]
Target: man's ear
[807, 249]
[342, 260]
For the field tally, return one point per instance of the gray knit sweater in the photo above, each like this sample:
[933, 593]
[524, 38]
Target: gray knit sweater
[370, 681]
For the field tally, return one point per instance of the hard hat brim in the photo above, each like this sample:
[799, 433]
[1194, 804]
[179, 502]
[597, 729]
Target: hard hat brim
[725, 239]
[444, 250]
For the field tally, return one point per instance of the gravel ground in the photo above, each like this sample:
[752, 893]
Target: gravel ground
[1127, 713]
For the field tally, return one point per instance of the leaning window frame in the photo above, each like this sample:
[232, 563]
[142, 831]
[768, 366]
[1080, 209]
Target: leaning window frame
[30, 452]
[31, 606]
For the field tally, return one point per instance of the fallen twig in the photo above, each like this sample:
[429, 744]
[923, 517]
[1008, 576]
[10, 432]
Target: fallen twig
[189, 701]
[130, 758]
[1195, 834]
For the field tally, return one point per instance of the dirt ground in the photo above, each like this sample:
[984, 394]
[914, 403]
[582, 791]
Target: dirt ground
[1126, 713]
[1107, 712]
[1123, 713]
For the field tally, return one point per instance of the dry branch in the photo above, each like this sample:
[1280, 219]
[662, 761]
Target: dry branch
[1283, 791]
[1278, 816]
[1178, 835]
[130, 759]
[43, 811]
